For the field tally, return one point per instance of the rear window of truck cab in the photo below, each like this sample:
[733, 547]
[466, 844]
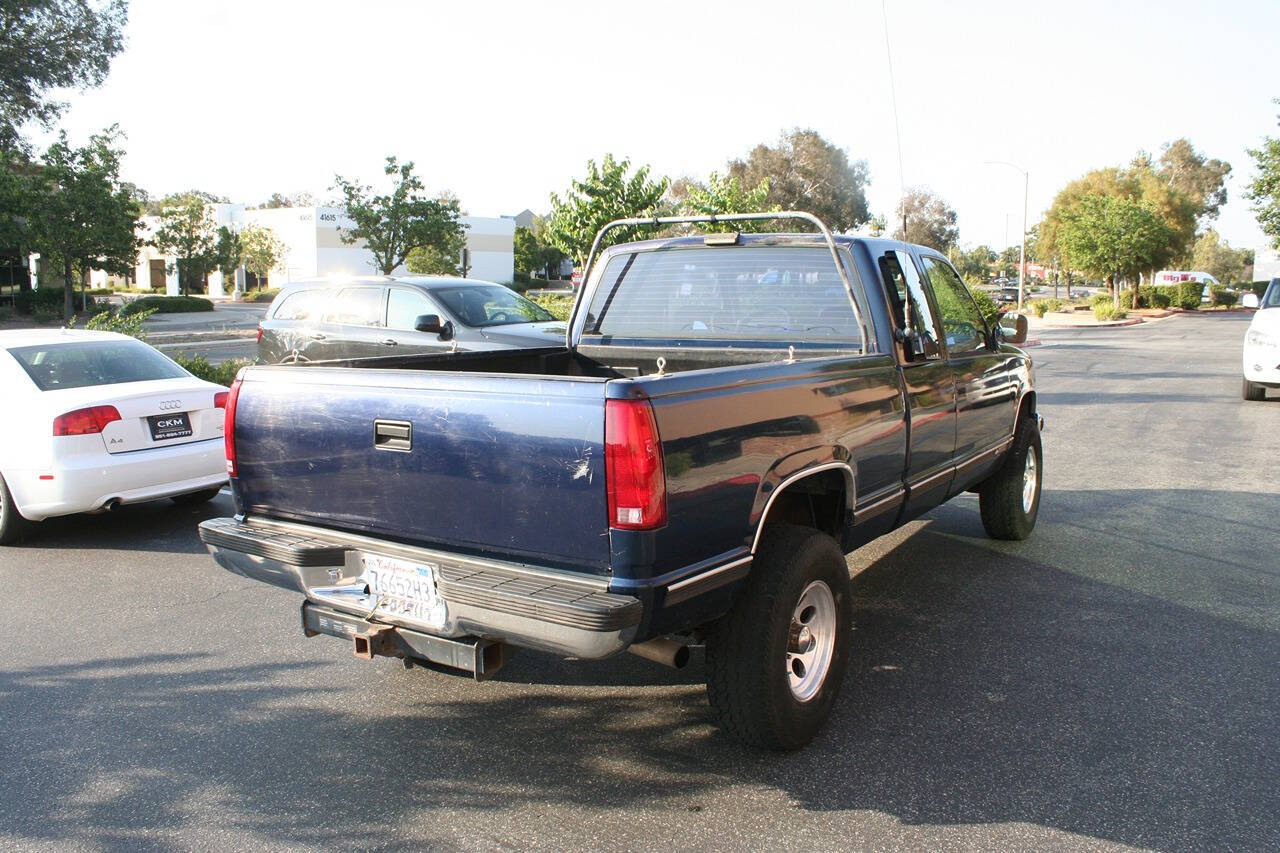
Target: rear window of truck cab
[783, 294]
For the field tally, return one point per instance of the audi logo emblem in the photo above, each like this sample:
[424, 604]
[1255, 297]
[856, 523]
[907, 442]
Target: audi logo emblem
[170, 405]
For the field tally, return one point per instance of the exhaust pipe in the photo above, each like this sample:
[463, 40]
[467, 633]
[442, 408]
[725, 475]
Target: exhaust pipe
[662, 650]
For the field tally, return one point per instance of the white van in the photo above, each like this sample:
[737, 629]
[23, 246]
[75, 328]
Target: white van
[1179, 276]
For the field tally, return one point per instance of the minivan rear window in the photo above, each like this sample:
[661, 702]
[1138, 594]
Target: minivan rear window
[81, 364]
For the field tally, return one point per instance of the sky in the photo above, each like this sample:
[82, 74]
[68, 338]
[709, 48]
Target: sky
[503, 103]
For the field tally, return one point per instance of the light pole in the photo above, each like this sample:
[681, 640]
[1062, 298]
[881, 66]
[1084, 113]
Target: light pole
[1022, 254]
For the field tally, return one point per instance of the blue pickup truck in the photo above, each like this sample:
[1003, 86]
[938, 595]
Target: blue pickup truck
[730, 414]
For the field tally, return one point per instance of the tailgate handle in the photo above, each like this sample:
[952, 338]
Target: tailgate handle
[393, 435]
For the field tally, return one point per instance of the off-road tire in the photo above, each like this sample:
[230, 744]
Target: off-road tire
[12, 525]
[1000, 497]
[747, 666]
[1252, 391]
[196, 498]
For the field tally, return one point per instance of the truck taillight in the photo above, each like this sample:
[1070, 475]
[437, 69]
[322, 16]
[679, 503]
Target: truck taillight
[229, 426]
[259, 334]
[85, 421]
[634, 477]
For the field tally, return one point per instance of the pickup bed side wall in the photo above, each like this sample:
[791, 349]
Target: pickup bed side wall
[731, 436]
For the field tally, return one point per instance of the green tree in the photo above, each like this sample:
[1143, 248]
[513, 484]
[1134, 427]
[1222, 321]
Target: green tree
[1213, 255]
[48, 45]
[394, 224]
[278, 200]
[534, 256]
[806, 172]
[929, 220]
[229, 250]
[81, 216]
[1140, 182]
[442, 259]
[606, 194]
[1264, 189]
[719, 196]
[261, 250]
[1111, 237]
[188, 233]
[974, 265]
[1202, 179]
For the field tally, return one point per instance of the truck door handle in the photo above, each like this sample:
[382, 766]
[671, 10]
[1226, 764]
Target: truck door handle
[389, 342]
[393, 435]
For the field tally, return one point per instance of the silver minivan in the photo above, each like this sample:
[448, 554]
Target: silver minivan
[373, 316]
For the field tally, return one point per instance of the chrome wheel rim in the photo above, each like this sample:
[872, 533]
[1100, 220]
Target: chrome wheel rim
[1029, 481]
[811, 641]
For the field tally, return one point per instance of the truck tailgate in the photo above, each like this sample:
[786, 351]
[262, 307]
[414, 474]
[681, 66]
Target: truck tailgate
[505, 464]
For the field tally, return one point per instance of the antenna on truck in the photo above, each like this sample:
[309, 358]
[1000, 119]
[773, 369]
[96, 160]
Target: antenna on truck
[716, 218]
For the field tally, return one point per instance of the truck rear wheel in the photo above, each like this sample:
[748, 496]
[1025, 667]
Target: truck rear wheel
[1010, 498]
[776, 661]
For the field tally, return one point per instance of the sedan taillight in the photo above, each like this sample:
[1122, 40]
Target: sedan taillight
[85, 421]
[220, 399]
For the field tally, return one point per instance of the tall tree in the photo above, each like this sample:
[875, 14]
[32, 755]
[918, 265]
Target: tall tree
[302, 199]
[81, 216]
[394, 224]
[930, 221]
[1264, 189]
[1140, 182]
[1111, 237]
[261, 250]
[974, 265]
[806, 172]
[188, 233]
[1213, 255]
[444, 258]
[47, 45]
[533, 254]
[606, 194]
[719, 196]
[1202, 179]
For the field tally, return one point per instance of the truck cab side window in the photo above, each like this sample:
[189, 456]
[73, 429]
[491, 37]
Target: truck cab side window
[961, 320]
[900, 273]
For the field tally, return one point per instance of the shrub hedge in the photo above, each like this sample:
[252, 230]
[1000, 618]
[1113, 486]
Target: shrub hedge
[1108, 311]
[199, 366]
[1221, 297]
[168, 304]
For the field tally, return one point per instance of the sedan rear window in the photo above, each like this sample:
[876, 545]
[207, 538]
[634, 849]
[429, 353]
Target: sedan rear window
[81, 364]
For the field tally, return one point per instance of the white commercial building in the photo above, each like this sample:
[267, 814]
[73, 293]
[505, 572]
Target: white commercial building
[314, 248]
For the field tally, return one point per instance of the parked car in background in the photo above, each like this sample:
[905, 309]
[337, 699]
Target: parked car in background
[383, 315]
[1262, 346]
[97, 419]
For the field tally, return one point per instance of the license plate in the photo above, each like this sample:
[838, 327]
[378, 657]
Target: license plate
[404, 588]
[163, 427]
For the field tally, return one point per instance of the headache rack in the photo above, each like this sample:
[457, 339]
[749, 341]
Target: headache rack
[715, 219]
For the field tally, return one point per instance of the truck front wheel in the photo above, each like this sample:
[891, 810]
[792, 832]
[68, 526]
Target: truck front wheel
[1010, 498]
[775, 662]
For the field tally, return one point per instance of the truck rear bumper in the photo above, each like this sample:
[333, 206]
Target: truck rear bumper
[486, 599]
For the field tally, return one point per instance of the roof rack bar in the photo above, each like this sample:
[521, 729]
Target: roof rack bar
[715, 219]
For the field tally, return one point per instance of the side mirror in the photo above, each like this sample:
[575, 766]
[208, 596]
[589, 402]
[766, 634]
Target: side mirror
[1249, 300]
[433, 323]
[1012, 328]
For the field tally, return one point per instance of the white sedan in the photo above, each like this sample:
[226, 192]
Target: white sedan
[1262, 346]
[98, 419]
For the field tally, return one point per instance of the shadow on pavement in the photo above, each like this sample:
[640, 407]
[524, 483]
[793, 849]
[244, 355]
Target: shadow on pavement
[1090, 680]
[161, 526]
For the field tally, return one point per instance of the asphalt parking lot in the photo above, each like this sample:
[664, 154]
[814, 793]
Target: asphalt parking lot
[1114, 681]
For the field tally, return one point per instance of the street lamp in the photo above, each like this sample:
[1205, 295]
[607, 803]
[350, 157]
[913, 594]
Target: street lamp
[1022, 254]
